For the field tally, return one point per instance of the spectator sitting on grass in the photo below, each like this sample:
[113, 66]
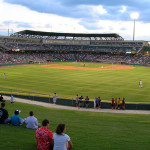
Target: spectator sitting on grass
[31, 121]
[4, 114]
[1, 98]
[61, 140]
[16, 119]
[44, 137]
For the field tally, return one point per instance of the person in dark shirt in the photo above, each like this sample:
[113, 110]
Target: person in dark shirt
[1, 99]
[123, 103]
[99, 102]
[87, 101]
[80, 101]
[4, 114]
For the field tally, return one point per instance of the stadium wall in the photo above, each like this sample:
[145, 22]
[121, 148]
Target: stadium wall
[72, 103]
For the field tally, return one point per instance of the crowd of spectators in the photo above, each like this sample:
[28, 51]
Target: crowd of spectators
[97, 101]
[36, 50]
[84, 48]
[44, 57]
[31, 44]
[46, 139]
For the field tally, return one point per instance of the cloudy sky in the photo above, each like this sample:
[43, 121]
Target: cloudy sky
[76, 16]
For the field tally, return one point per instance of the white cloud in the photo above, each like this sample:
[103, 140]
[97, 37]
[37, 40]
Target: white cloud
[38, 21]
[54, 23]
[99, 9]
[93, 10]
[125, 29]
[123, 9]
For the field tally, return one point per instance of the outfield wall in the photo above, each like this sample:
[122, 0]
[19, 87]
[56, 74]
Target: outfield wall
[72, 103]
[13, 64]
[109, 62]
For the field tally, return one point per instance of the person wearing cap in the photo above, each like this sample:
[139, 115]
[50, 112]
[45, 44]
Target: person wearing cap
[31, 121]
[4, 114]
[12, 99]
[16, 119]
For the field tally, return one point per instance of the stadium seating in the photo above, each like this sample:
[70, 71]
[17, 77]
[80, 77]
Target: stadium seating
[25, 50]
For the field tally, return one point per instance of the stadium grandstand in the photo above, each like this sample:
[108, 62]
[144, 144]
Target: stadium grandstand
[33, 46]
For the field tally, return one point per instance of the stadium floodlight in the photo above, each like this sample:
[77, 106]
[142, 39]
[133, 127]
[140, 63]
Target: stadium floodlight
[134, 16]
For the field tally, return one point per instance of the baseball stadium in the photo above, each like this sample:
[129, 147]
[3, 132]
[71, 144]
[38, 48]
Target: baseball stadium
[34, 65]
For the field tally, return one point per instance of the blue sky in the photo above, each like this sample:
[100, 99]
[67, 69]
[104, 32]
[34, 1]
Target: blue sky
[76, 16]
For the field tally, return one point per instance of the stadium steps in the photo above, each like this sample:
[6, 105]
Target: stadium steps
[140, 50]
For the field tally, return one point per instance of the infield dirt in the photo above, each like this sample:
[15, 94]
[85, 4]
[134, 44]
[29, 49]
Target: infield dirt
[111, 67]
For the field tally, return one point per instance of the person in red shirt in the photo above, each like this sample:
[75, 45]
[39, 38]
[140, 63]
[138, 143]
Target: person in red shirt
[112, 103]
[44, 137]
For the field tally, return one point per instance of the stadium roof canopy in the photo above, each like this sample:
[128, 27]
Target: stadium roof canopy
[73, 36]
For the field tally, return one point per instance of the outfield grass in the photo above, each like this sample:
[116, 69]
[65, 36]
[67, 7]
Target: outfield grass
[68, 83]
[88, 130]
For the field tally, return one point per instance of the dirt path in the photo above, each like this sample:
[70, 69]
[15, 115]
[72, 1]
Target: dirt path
[111, 67]
[49, 105]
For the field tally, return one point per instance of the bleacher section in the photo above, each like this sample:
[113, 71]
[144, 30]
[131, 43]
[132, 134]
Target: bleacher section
[31, 46]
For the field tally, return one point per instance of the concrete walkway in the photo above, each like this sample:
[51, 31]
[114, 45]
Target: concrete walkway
[49, 105]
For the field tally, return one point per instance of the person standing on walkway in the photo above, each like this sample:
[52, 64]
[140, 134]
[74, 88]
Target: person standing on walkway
[95, 102]
[118, 103]
[77, 100]
[99, 102]
[54, 98]
[123, 104]
[87, 101]
[112, 103]
[81, 101]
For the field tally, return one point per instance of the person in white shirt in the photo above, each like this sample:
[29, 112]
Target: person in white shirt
[54, 98]
[4, 76]
[140, 84]
[31, 121]
[95, 103]
[61, 140]
[12, 99]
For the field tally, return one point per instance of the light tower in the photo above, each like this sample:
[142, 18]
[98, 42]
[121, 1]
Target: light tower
[134, 16]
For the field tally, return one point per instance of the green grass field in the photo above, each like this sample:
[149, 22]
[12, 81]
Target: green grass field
[88, 130]
[67, 83]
